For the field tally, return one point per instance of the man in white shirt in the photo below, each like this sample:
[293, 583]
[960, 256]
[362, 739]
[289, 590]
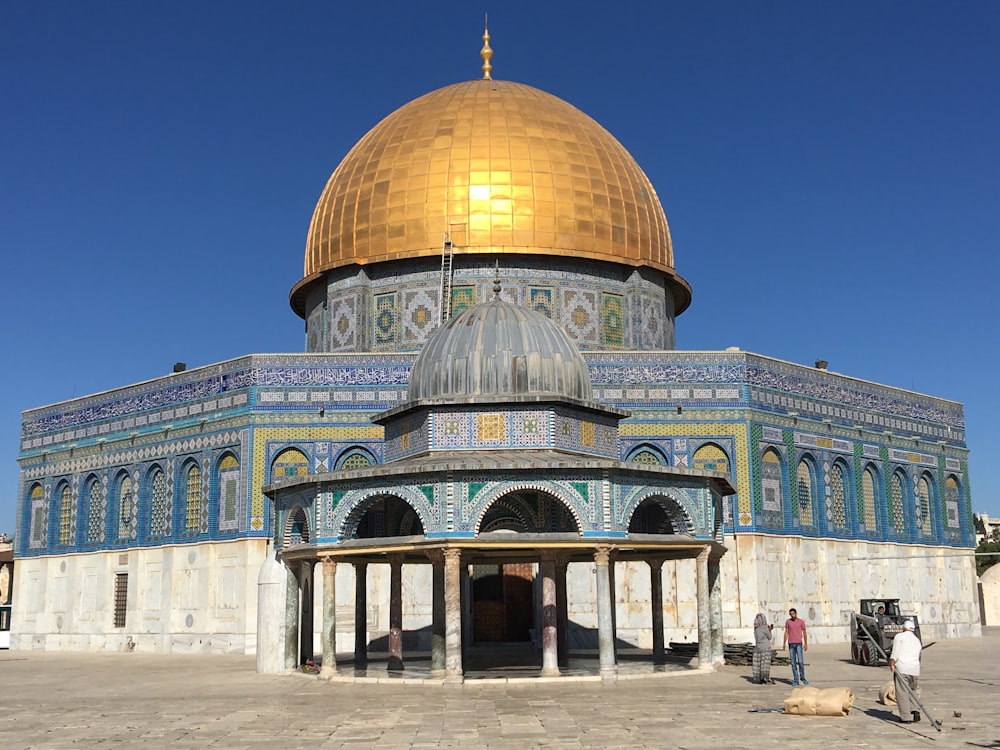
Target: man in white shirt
[905, 665]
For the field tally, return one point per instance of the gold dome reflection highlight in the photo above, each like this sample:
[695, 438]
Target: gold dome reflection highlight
[500, 167]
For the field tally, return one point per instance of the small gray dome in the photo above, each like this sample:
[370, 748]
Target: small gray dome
[499, 349]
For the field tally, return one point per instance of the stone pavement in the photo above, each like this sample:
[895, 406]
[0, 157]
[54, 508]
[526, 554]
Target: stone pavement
[71, 700]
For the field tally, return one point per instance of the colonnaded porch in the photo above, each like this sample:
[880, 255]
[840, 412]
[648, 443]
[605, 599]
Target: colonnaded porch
[460, 648]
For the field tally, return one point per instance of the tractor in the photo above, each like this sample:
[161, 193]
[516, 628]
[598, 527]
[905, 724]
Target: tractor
[872, 630]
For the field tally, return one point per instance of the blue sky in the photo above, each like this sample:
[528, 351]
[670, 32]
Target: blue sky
[830, 172]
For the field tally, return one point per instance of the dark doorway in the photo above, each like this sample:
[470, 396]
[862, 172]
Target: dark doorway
[503, 602]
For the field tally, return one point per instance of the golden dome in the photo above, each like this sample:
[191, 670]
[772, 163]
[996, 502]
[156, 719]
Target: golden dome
[501, 168]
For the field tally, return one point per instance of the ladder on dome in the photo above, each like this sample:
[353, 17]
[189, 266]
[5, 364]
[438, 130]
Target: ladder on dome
[447, 254]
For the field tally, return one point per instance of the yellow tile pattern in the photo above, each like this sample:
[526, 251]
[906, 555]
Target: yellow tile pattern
[503, 167]
[737, 432]
[263, 435]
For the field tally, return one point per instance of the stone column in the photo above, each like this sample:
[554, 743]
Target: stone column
[292, 620]
[656, 604]
[562, 610]
[438, 628]
[704, 611]
[715, 598]
[550, 642]
[306, 608]
[605, 628]
[614, 603]
[453, 615]
[360, 614]
[395, 613]
[329, 618]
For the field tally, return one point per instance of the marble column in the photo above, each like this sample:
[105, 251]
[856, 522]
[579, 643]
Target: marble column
[292, 620]
[704, 610]
[329, 618]
[360, 614]
[395, 613]
[306, 608]
[605, 628]
[550, 642]
[562, 610]
[453, 615]
[715, 599]
[656, 604]
[438, 628]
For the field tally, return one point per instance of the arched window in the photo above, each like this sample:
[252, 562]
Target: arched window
[192, 495]
[355, 458]
[647, 455]
[159, 508]
[127, 508]
[837, 510]
[952, 496]
[229, 492]
[805, 485]
[37, 500]
[772, 501]
[96, 511]
[66, 515]
[922, 505]
[291, 462]
[869, 496]
[897, 517]
[710, 457]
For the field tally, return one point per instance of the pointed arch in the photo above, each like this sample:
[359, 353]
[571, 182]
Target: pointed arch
[227, 487]
[566, 495]
[952, 502]
[191, 473]
[341, 518]
[96, 505]
[772, 471]
[159, 507]
[37, 518]
[290, 462]
[527, 511]
[805, 491]
[126, 507]
[838, 510]
[67, 513]
[355, 457]
[870, 499]
[924, 503]
[711, 457]
[297, 529]
[647, 453]
[660, 514]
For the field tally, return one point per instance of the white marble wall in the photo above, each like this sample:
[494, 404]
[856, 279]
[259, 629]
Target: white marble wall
[203, 597]
[990, 583]
[198, 598]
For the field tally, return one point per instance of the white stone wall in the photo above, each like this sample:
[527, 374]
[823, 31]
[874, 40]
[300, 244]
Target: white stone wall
[184, 598]
[203, 597]
[990, 588]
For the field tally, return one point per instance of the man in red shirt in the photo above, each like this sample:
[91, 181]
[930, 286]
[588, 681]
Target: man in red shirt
[797, 641]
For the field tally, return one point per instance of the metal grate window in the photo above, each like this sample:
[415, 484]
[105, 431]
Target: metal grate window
[121, 599]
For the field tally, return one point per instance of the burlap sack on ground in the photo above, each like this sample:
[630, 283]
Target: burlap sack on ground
[887, 694]
[810, 701]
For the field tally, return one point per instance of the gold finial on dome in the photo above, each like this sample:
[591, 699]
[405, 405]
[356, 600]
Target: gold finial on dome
[486, 53]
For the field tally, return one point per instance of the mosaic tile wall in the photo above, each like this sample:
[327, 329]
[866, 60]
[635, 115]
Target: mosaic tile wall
[375, 310]
[680, 401]
[513, 428]
[455, 505]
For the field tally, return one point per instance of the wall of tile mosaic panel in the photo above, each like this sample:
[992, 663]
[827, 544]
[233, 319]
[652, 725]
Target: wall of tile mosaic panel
[395, 307]
[810, 452]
